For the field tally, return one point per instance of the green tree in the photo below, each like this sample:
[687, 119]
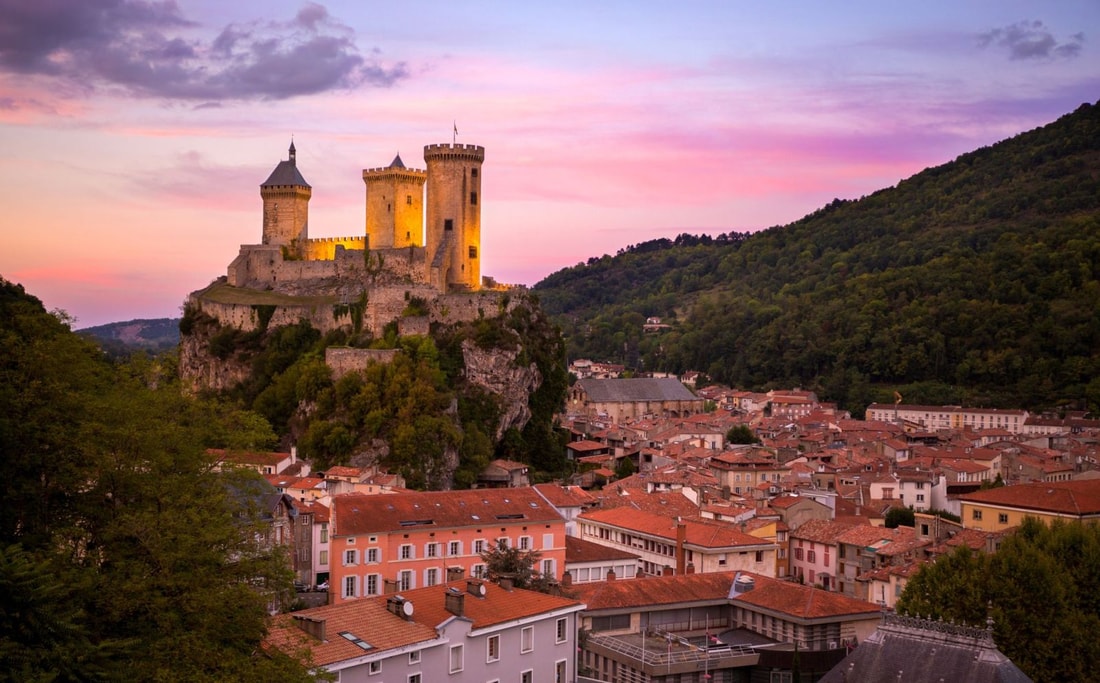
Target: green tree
[896, 517]
[504, 561]
[741, 434]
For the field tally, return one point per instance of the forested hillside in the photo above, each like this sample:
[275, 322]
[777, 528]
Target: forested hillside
[974, 282]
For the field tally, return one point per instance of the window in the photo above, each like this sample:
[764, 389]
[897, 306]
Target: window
[798, 554]
[524, 542]
[561, 633]
[473, 252]
[478, 571]
[1002, 518]
[349, 557]
[548, 568]
[322, 558]
[479, 546]
[372, 585]
[492, 645]
[414, 657]
[454, 548]
[432, 550]
[372, 555]
[473, 172]
[527, 639]
[406, 552]
[431, 577]
[405, 580]
[547, 541]
[473, 198]
[409, 199]
[760, 557]
[448, 224]
[374, 668]
[456, 658]
[811, 556]
[324, 532]
[977, 515]
[561, 671]
[349, 586]
[527, 676]
[502, 542]
[414, 678]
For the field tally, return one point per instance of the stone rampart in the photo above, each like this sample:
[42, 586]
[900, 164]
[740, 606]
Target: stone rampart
[344, 359]
[324, 248]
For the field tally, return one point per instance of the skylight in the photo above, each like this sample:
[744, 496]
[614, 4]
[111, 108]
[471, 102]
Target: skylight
[354, 639]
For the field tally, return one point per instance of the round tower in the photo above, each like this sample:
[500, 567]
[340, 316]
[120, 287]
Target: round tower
[395, 206]
[454, 215]
[286, 206]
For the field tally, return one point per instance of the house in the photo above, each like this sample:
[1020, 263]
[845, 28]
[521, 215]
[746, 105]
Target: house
[676, 545]
[417, 539]
[913, 649]
[586, 561]
[503, 474]
[864, 548]
[310, 561]
[795, 510]
[726, 626]
[622, 399]
[263, 463]
[1006, 506]
[568, 501]
[466, 629]
[742, 470]
[814, 551]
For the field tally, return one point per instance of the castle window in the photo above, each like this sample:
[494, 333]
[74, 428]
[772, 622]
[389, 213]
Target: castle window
[389, 207]
[473, 172]
[473, 252]
[473, 198]
[448, 224]
[409, 199]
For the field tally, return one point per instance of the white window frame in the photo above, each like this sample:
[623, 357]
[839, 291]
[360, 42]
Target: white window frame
[561, 671]
[372, 556]
[454, 548]
[453, 667]
[374, 668]
[431, 576]
[431, 549]
[376, 579]
[561, 630]
[406, 552]
[414, 657]
[527, 676]
[351, 557]
[524, 542]
[406, 580]
[479, 546]
[353, 583]
[492, 643]
[415, 678]
[527, 639]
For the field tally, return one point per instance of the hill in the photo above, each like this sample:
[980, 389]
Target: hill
[974, 282]
[122, 338]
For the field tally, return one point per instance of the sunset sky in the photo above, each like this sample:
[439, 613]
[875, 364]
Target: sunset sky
[135, 134]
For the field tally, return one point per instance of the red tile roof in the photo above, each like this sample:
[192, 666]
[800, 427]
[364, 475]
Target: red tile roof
[365, 514]
[702, 534]
[1077, 498]
[564, 496]
[580, 550]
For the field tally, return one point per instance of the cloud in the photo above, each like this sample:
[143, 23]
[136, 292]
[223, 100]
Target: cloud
[1031, 40]
[145, 48]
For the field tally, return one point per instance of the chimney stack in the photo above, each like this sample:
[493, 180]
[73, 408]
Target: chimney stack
[455, 573]
[400, 606]
[681, 536]
[455, 601]
[314, 627]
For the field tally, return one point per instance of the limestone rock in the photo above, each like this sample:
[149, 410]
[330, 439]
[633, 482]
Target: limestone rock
[496, 371]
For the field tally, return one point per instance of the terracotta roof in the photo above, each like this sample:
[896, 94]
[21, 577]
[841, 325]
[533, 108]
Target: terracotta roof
[564, 496]
[660, 590]
[821, 531]
[363, 514]
[580, 550]
[1081, 497]
[248, 457]
[802, 602]
[708, 534]
[499, 606]
[342, 471]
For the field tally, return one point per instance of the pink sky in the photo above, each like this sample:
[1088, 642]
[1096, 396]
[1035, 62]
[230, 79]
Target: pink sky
[136, 134]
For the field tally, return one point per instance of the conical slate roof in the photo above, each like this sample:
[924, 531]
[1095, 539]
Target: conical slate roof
[286, 173]
[397, 163]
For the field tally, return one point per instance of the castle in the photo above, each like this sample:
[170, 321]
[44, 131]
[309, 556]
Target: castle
[417, 261]
[434, 241]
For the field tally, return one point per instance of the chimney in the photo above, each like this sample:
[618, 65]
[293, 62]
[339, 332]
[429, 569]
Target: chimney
[566, 580]
[454, 601]
[667, 571]
[399, 606]
[455, 573]
[475, 587]
[690, 568]
[506, 582]
[389, 586]
[314, 627]
[610, 575]
[681, 535]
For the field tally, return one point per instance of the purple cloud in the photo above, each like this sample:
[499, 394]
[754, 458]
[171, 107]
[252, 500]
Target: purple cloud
[136, 45]
[1031, 40]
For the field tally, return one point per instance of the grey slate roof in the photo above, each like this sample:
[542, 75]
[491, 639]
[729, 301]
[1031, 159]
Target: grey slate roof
[913, 650]
[397, 163]
[286, 173]
[630, 390]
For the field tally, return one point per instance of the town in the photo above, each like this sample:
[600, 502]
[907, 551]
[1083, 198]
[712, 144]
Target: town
[706, 535]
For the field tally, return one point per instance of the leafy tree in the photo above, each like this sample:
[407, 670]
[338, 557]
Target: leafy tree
[504, 561]
[624, 468]
[1039, 588]
[741, 434]
[896, 517]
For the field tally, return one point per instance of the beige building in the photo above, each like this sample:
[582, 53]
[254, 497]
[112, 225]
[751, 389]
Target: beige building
[622, 399]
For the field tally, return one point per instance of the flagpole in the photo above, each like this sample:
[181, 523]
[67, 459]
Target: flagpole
[454, 137]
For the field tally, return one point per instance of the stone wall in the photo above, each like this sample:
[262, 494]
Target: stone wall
[344, 359]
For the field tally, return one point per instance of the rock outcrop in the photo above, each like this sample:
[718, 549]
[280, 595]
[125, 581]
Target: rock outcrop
[497, 371]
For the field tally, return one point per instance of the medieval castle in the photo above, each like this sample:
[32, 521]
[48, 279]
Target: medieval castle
[447, 258]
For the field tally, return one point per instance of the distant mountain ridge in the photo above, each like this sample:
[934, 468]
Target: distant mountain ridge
[153, 335]
[976, 282]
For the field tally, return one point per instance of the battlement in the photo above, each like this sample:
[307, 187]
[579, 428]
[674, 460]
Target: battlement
[387, 171]
[336, 240]
[445, 151]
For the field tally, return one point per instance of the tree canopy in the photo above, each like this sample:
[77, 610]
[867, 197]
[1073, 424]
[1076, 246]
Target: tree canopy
[122, 554]
[1041, 589]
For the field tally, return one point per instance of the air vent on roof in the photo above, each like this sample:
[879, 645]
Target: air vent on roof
[356, 640]
[533, 504]
[475, 517]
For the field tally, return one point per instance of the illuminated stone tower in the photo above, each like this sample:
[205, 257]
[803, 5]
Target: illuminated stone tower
[453, 216]
[286, 206]
[395, 206]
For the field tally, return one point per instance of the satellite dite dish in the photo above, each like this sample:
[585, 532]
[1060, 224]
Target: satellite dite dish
[479, 589]
[407, 608]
